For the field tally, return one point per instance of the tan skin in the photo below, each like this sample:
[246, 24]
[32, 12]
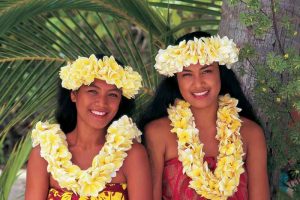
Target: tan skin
[200, 86]
[85, 142]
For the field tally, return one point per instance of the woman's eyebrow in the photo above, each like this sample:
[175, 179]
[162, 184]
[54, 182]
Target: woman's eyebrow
[205, 66]
[115, 89]
[93, 85]
[186, 70]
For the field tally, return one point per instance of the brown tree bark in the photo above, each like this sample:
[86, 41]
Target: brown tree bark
[231, 26]
[277, 39]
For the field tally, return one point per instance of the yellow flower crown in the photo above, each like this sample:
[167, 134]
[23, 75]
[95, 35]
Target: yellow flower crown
[204, 50]
[84, 70]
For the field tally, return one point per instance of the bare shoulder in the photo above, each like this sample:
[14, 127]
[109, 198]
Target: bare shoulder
[157, 135]
[35, 154]
[158, 127]
[250, 129]
[137, 172]
[37, 178]
[35, 151]
[256, 159]
[137, 152]
[36, 161]
[136, 157]
[252, 134]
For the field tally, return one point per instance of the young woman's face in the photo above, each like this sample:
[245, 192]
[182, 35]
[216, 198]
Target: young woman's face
[97, 104]
[200, 84]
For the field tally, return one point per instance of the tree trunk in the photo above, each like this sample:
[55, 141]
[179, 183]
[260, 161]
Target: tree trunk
[277, 40]
[230, 26]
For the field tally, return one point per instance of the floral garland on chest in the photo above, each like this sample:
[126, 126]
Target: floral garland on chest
[89, 182]
[223, 182]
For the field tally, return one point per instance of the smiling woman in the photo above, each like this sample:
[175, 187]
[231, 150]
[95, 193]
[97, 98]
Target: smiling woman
[96, 104]
[203, 92]
[94, 150]
[200, 131]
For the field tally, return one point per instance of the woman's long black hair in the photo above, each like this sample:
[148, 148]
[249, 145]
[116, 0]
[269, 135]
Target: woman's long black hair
[66, 113]
[168, 91]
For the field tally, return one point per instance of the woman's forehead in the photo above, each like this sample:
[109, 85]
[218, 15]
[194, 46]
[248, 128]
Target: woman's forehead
[101, 84]
[198, 66]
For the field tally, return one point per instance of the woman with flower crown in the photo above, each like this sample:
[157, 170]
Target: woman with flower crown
[200, 130]
[99, 157]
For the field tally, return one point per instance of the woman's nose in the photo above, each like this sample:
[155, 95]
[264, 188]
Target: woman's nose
[198, 81]
[101, 100]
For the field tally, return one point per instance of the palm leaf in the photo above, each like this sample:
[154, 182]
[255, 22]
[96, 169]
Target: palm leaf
[16, 160]
[209, 10]
[137, 12]
[196, 23]
[25, 97]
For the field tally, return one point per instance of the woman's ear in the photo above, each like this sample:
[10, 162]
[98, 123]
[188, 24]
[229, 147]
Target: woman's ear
[73, 95]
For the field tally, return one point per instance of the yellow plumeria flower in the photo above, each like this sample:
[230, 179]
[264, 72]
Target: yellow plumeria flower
[205, 50]
[84, 71]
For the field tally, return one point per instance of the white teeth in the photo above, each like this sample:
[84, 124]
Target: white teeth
[98, 113]
[200, 93]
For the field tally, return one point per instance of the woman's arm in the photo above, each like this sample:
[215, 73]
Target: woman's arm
[37, 178]
[156, 150]
[137, 172]
[256, 162]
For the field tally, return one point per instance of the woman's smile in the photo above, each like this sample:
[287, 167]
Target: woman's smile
[200, 95]
[98, 113]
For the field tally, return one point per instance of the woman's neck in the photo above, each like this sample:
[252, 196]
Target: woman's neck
[87, 137]
[205, 118]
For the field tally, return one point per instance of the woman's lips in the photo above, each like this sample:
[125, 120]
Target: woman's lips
[98, 113]
[200, 94]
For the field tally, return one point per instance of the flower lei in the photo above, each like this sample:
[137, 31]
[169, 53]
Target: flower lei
[223, 182]
[204, 50]
[84, 70]
[89, 182]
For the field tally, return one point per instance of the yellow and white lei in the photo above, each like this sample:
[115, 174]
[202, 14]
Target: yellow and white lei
[89, 182]
[223, 182]
[84, 70]
[204, 50]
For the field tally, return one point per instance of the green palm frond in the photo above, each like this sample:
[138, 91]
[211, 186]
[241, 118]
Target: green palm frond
[196, 23]
[210, 9]
[25, 85]
[137, 12]
[16, 160]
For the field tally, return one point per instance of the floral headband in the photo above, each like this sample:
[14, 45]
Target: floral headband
[204, 50]
[84, 70]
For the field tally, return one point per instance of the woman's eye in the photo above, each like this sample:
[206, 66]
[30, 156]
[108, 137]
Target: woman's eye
[207, 71]
[186, 74]
[92, 91]
[113, 95]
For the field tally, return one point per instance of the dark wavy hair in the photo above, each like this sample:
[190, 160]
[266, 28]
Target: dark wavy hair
[66, 113]
[168, 91]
